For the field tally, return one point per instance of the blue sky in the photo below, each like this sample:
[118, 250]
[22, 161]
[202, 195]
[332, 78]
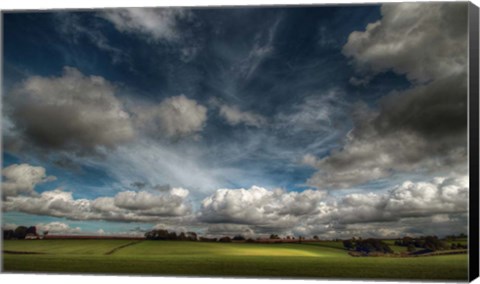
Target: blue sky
[298, 120]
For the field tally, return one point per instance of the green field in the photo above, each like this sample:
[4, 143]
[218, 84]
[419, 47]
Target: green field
[306, 260]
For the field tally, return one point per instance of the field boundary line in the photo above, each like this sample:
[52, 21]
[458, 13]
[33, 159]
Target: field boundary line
[114, 250]
[21, 252]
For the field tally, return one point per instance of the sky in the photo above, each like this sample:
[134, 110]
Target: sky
[335, 121]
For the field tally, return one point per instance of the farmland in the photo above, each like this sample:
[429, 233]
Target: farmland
[302, 260]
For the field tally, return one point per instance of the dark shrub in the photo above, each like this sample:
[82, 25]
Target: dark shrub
[372, 245]
[348, 244]
[411, 248]
[20, 232]
[8, 234]
[239, 238]
[225, 240]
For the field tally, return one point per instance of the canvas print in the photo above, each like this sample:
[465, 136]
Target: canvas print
[324, 141]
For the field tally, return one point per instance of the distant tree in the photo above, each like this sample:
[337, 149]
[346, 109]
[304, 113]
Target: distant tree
[225, 239]
[172, 236]
[32, 230]
[274, 237]
[315, 237]
[182, 237]
[433, 243]
[161, 234]
[372, 245]
[411, 248]
[204, 239]
[238, 238]
[348, 244]
[8, 234]
[191, 236]
[20, 232]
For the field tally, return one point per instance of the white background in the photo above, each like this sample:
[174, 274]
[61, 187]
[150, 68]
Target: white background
[56, 4]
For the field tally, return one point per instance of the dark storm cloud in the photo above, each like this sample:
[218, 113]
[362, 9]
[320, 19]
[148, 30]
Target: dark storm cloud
[435, 111]
[422, 128]
[72, 112]
[157, 187]
[139, 185]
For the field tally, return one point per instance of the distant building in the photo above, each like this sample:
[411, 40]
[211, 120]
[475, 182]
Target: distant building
[31, 236]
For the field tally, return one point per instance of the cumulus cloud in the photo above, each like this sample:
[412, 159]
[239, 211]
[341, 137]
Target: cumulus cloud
[424, 41]
[155, 23]
[126, 206]
[422, 128]
[390, 213]
[57, 228]
[22, 179]
[259, 206]
[174, 117]
[70, 112]
[409, 199]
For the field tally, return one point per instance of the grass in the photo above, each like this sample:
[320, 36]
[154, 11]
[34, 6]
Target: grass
[307, 260]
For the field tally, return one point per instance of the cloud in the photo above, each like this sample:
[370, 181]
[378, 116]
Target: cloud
[408, 200]
[138, 185]
[258, 210]
[74, 29]
[126, 206]
[263, 46]
[424, 41]
[57, 228]
[229, 230]
[422, 129]
[71, 112]
[174, 117]
[155, 23]
[259, 206]
[438, 207]
[22, 179]
[234, 116]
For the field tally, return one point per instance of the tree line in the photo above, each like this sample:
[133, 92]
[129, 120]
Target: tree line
[429, 243]
[22, 232]
[419, 245]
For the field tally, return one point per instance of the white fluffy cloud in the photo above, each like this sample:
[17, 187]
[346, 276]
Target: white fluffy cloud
[57, 228]
[259, 206]
[126, 206]
[175, 117]
[73, 111]
[156, 23]
[409, 199]
[22, 179]
[258, 210]
[424, 41]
